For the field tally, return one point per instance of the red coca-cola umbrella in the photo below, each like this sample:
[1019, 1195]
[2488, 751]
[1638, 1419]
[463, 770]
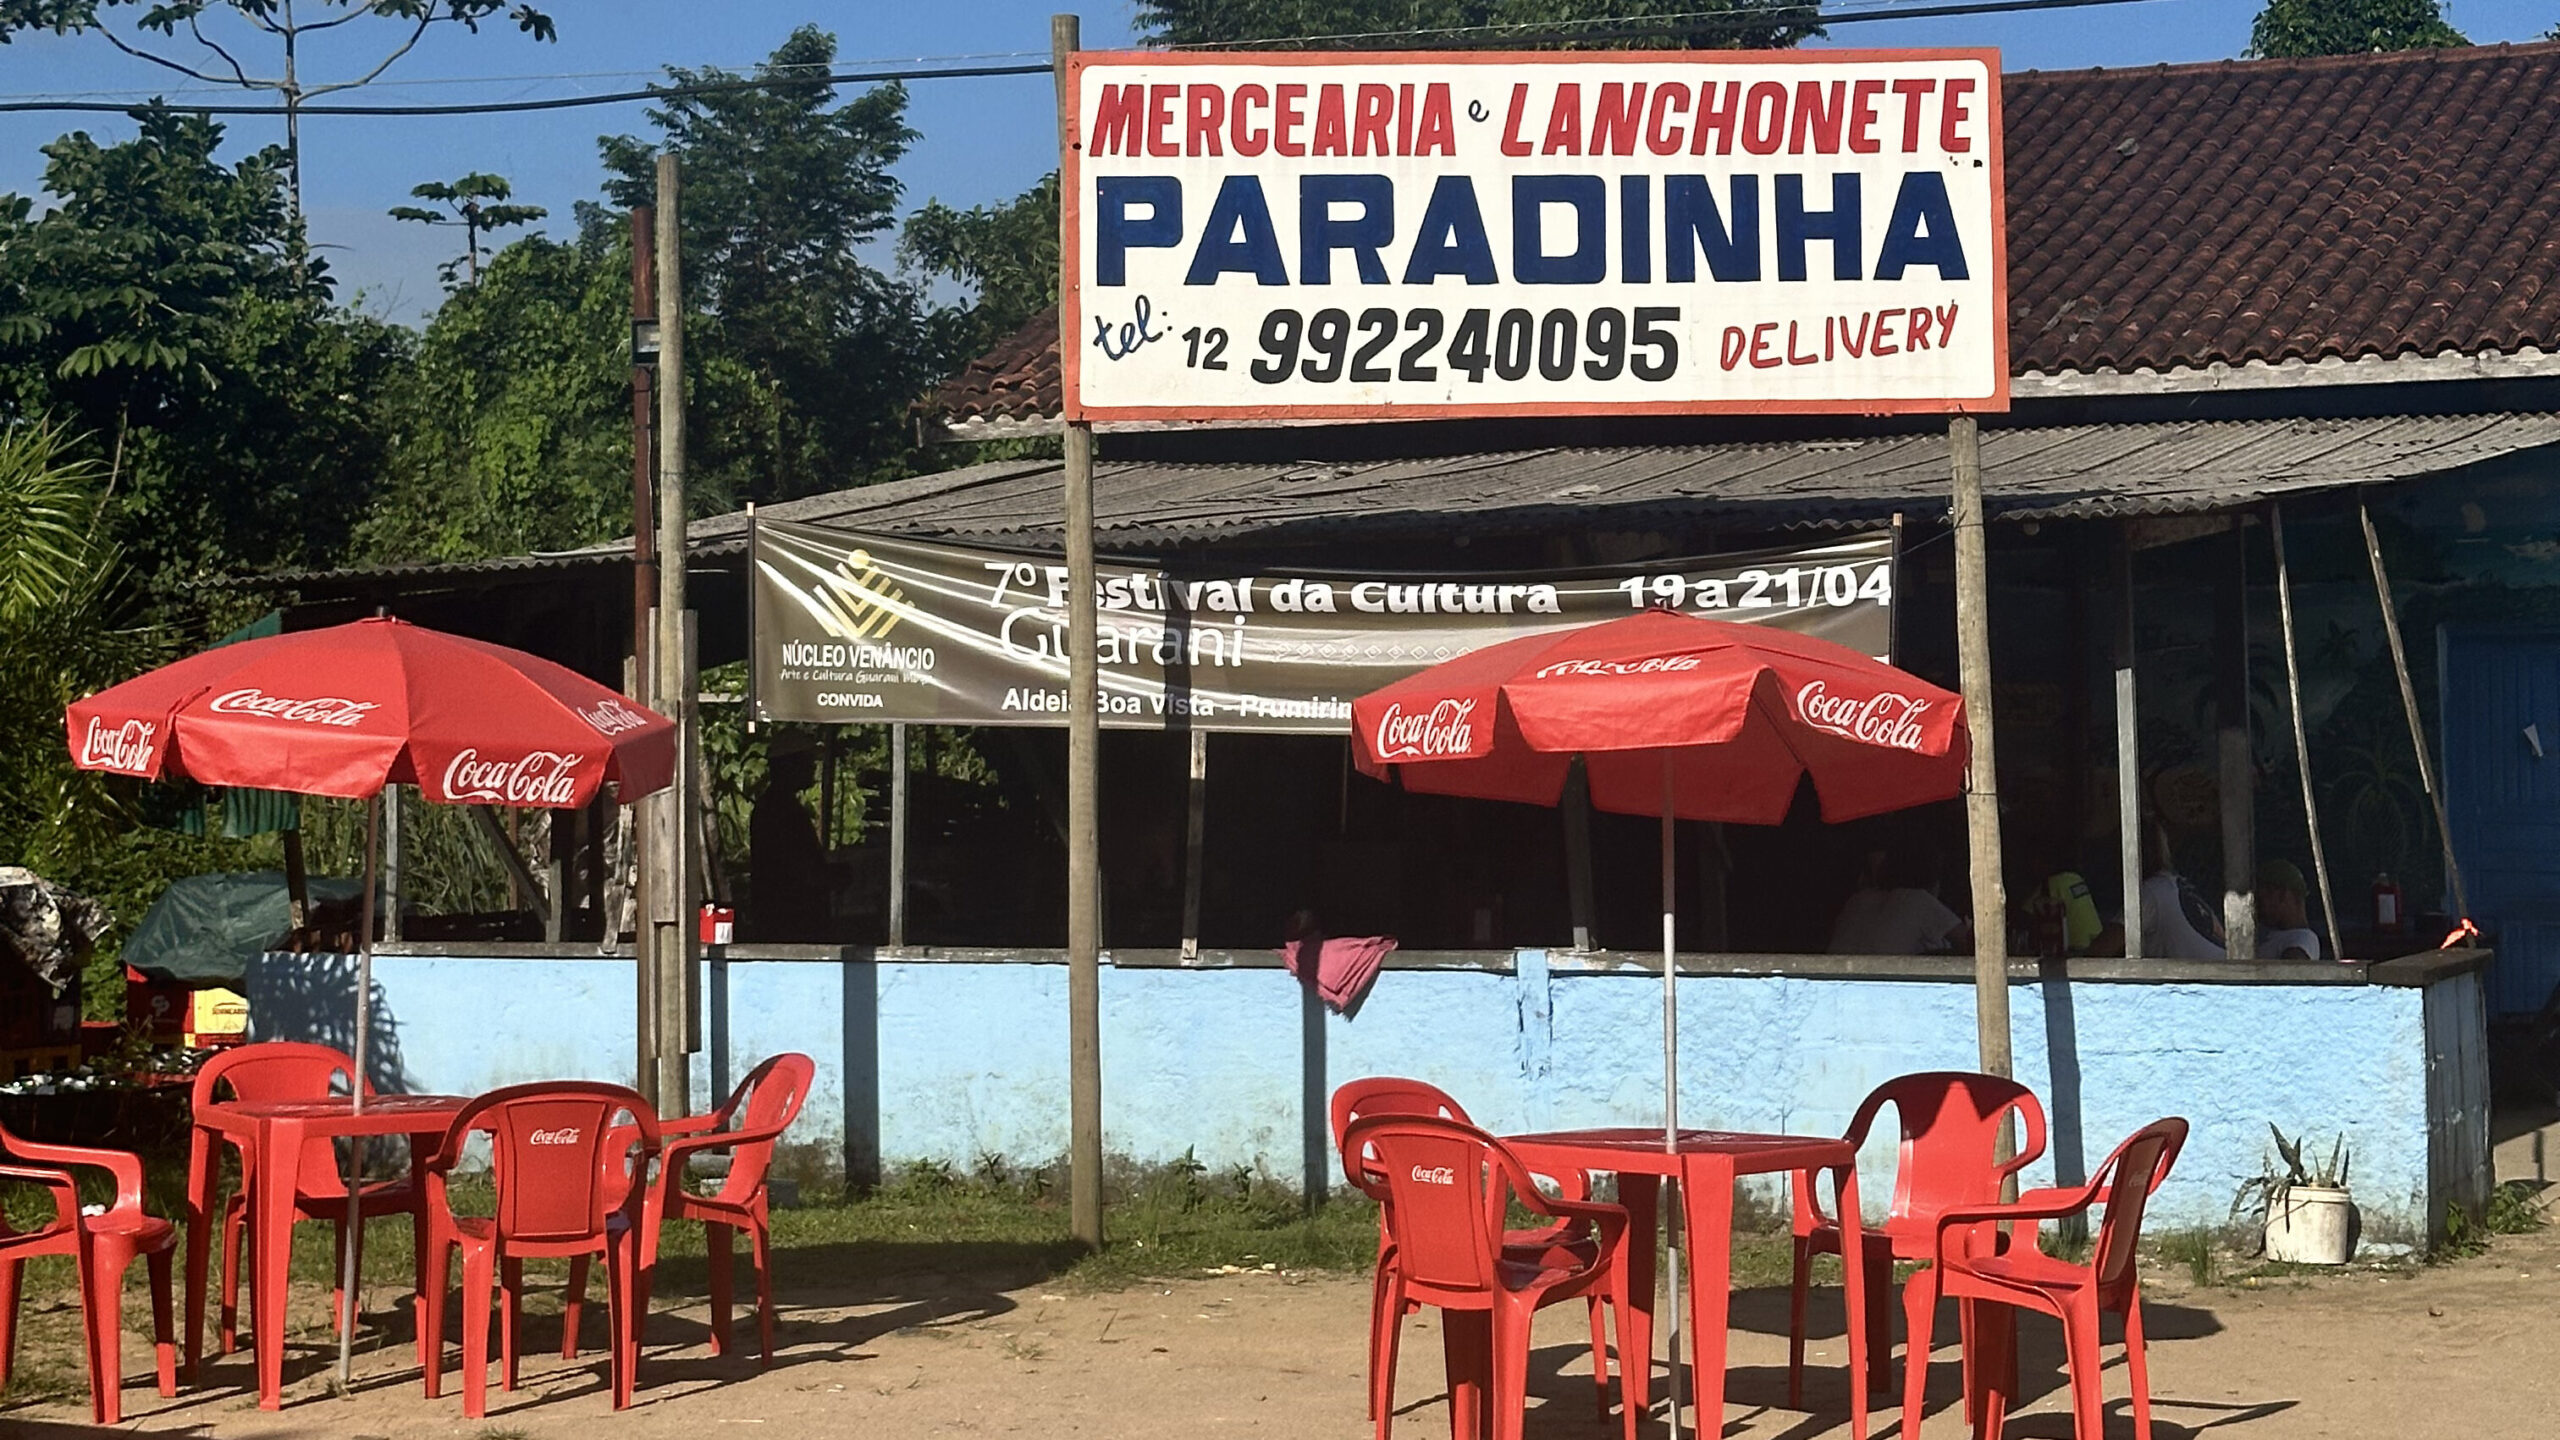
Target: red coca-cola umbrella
[350, 709]
[1670, 714]
[347, 710]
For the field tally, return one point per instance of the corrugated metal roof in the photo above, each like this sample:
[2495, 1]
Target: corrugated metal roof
[2047, 472]
[2053, 472]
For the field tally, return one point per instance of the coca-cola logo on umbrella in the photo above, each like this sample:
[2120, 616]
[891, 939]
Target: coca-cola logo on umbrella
[612, 717]
[1446, 729]
[543, 778]
[333, 710]
[1649, 665]
[1888, 719]
[125, 747]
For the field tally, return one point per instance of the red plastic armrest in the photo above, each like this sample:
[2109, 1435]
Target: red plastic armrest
[2047, 1205]
[66, 1195]
[691, 1124]
[124, 1165]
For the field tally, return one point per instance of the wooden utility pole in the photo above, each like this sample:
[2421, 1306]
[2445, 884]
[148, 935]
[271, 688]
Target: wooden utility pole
[1982, 793]
[1084, 745]
[671, 683]
[644, 605]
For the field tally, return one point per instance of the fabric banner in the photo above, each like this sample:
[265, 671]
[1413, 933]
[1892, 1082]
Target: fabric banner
[853, 627]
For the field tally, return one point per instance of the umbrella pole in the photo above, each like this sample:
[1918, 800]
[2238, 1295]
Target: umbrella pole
[346, 1316]
[1671, 1083]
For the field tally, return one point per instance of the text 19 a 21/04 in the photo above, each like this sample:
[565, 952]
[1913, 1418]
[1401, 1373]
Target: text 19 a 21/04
[1382, 344]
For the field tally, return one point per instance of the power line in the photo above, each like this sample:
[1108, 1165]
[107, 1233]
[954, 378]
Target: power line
[566, 102]
[1482, 37]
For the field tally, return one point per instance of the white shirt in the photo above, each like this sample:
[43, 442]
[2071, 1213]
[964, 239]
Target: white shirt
[2168, 931]
[2273, 943]
[1892, 922]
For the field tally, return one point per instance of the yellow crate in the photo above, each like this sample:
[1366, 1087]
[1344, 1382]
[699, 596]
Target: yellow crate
[216, 1017]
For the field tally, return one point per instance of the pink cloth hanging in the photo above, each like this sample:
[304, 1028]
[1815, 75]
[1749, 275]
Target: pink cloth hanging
[1345, 966]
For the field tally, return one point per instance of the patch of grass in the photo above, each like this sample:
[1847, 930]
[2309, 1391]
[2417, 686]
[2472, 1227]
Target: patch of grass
[2199, 1249]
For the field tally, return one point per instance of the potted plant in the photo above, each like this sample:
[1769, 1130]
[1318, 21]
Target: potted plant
[2310, 1219]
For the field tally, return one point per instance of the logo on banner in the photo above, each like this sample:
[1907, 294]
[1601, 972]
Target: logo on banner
[126, 747]
[612, 717]
[1447, 729]
[543, 778]
[1434, 1175]
[1886, 719]
[1650, 665]
[567, 1135]
[331, 710]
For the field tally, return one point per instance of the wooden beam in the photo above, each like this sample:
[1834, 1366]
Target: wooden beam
[1982, 794]
[2302, 735]
[2238, 767]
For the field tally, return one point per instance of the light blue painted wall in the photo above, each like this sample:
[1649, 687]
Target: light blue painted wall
[971, 1058]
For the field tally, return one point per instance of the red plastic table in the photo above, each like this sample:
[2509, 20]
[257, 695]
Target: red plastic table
[274, 1133]
[1706, 1164]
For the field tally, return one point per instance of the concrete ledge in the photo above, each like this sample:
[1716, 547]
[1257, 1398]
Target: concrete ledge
[2418, 970]
[2427, 967]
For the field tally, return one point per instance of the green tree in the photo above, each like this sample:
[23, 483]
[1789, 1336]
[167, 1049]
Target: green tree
[2295, 28]
[1703, 24]
[515, 423]
[164, 305]
[1006, 254]
[213, 55]
[477, 203]
[822, 351]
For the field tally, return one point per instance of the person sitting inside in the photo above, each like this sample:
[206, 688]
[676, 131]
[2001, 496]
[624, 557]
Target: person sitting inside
[2284, 920]
[2178, 922]
[1896, 911]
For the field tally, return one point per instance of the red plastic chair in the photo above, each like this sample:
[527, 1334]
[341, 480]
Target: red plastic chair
[1444, 1187]
[1950, 1122]
[763, 1106]
[1565, 1242]
[102, 1247]
[281, 1070]
[569, 1160]
[1996, 1284]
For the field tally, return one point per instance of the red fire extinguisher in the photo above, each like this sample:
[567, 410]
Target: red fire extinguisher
[2388, 911]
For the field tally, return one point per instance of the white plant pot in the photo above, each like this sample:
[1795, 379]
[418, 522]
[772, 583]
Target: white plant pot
[2311, 1225]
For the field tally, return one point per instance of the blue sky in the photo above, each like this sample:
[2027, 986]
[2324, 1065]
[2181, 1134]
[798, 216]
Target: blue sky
[983, 139]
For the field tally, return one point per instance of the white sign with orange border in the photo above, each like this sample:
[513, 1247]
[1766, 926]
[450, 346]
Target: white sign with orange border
[1328, 236]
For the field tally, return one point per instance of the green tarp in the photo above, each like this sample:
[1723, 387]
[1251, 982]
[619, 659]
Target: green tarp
[204, 928]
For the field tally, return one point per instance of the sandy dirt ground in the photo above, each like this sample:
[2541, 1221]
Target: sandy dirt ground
[2461, 1350]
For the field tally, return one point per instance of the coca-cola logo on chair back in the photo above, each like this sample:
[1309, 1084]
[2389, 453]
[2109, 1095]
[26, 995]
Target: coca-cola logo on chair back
[551, 1161]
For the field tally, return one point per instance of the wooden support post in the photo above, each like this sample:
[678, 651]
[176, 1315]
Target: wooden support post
[1195, 841]
[2128, 752]
[297, 880]
[1982, 793]
[672, 930]
[1576, 813]
[2409, 707]
[2301, 734]
[390, 862]
[1084, 747]
[900, 790]
[2231, 739]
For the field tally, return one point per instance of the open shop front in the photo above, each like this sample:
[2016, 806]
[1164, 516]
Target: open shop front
[1518, 963]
